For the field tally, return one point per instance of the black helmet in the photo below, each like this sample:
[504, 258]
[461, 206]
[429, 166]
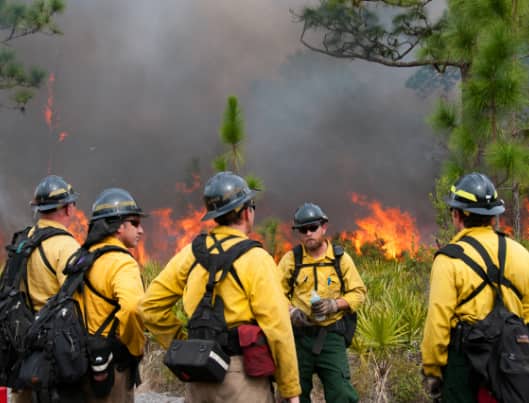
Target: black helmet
[115, 202]
[225, 192]
[53, 192]
[309, 213]
[476, 194]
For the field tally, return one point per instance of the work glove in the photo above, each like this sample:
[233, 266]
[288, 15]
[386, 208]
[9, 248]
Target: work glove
[298, 318]
[432, 386]
[324, 306]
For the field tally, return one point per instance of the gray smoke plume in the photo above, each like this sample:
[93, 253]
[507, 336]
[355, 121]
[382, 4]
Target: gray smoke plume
[141, 87]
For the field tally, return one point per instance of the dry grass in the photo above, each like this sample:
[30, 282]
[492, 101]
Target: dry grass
[155, 375]
[392, 380]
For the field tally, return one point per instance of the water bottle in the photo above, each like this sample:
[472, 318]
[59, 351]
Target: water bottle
[314, 297]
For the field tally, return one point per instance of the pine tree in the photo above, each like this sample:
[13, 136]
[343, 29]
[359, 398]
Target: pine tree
[19, 19]
[485, 40]
[232, 135]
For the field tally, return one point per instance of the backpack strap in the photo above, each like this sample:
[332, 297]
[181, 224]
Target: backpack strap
[338, 253]
[112, 315]
[457, 252]
[494, 272]
[14, 259]
[41, 234]
[232, 254]
[221, 261]
[45, 260]
[203, 255]
[77, 268]
[298, 264]
[35, 242]
[19, 251]
[298, 257]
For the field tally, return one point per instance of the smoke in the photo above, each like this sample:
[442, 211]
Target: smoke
[140, 88]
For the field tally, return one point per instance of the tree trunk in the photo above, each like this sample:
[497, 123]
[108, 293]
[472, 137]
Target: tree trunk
[516, 213]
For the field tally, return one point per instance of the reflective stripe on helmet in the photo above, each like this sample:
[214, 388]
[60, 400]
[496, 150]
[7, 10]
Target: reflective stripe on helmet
[464, 194]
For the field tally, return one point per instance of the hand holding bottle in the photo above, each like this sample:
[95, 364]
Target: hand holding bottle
[314, 300]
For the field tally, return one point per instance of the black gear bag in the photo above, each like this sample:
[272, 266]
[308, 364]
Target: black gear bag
[16, 307]
[57, 342]
[205, 357]
[497, 347]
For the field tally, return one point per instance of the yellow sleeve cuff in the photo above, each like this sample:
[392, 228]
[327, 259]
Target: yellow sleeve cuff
[432, 370]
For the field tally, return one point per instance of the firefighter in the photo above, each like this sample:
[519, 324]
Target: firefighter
[54, 204]
[255, 298]
[453, 299]
[325, 291]
[110, 298]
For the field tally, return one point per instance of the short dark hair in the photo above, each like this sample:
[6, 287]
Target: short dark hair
[233, 217]
[471, 220]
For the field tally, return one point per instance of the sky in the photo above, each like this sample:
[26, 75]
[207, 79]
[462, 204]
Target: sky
[140, 89]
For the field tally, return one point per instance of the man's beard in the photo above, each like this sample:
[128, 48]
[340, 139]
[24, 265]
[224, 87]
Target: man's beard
[313, 245]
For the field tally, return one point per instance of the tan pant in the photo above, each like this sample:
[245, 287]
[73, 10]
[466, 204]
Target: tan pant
[21, 396]
[237, 387]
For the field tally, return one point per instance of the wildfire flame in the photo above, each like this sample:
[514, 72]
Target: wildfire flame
[78, 227]
[139, 252]
[50, 114]
[393, 228]
[48, 108]
[62, 136]
[168, 234]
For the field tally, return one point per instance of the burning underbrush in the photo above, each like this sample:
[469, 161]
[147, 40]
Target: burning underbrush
[389, 232]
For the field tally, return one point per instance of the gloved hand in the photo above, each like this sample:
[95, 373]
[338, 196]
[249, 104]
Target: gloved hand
[324, 306]
[432, 386]
[298, 318]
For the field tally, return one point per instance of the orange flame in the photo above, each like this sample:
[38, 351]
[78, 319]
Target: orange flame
[62, 136]
[171, 235]
[78, 226]
[504, 227]
[284, 240]
[139, 252]
[48, 108]
[50, 114]
[394, 228]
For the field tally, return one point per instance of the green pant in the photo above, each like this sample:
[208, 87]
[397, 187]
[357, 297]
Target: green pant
[460, 382]
[331, 365]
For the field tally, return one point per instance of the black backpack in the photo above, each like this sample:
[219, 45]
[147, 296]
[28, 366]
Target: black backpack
[56, 344]
[204, 356]
[16, 307]
[497, 347]
[347, 325]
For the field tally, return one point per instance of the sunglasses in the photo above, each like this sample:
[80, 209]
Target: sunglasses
[307, 228]
[134, 223]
